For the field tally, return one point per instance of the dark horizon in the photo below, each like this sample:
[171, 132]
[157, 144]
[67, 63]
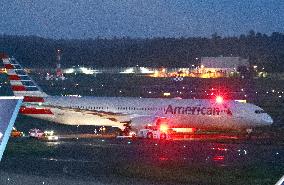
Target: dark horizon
[142, 38]
[260, 49]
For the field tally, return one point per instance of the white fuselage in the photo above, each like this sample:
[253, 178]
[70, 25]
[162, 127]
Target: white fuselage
[116, 111]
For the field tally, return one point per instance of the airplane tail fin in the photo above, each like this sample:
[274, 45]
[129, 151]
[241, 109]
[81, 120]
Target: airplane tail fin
[9, 107]
[21, 83]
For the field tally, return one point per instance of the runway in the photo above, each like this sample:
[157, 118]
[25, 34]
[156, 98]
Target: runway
[124, 161]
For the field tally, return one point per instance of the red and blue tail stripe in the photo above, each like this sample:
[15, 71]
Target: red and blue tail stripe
[22, 85]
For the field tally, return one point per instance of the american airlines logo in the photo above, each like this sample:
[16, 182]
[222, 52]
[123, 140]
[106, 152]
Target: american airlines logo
[196, 110]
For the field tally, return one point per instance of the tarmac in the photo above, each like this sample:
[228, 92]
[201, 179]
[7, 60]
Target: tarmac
[126, 161]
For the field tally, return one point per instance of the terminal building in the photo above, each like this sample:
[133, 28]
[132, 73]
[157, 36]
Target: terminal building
[225, 65]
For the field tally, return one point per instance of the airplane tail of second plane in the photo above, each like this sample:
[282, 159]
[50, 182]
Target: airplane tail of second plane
[21, 83]
[23, 86]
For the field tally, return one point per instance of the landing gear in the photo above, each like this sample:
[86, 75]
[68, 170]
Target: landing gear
[150, 135]
[127, 129]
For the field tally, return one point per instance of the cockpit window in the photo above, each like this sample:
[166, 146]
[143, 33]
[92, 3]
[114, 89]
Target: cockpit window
[259, 111]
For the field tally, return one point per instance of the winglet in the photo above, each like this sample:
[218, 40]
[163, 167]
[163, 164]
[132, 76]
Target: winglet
[9, 108]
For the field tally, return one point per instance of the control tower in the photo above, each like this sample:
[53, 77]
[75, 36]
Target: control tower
[58, 71]
[59, 74]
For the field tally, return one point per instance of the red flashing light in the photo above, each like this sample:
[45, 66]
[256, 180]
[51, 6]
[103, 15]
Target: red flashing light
[164, 127]
[163, 158]
[218, 158]
[219, 99]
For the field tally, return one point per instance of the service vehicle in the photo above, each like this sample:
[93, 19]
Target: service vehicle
[36, 133]
[49, 136]
[16, 133]
[155, 132]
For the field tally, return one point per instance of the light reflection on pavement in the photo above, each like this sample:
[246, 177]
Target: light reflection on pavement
[98, 159]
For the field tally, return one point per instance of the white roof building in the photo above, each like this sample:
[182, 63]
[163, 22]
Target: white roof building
[224, 62]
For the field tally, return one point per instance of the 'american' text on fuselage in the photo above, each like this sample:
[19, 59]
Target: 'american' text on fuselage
[195, 110]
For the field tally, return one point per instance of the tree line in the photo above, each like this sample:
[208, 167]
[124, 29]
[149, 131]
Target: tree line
[265, 51]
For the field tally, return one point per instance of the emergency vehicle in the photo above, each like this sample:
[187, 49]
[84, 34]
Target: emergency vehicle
[155, 132]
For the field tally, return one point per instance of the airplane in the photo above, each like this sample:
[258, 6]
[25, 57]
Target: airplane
[130, 113]
[9, 106]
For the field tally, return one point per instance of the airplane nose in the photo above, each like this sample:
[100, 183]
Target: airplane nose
[268, 120]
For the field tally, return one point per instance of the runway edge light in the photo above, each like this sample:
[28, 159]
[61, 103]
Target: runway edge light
[9, 107]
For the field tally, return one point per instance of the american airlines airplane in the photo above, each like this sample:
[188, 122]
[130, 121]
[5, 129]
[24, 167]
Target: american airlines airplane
[131, 113]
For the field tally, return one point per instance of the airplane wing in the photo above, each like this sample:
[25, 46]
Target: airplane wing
[9, 108]
[109, 118]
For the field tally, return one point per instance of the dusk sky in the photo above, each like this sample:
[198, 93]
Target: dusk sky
[139, 18]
